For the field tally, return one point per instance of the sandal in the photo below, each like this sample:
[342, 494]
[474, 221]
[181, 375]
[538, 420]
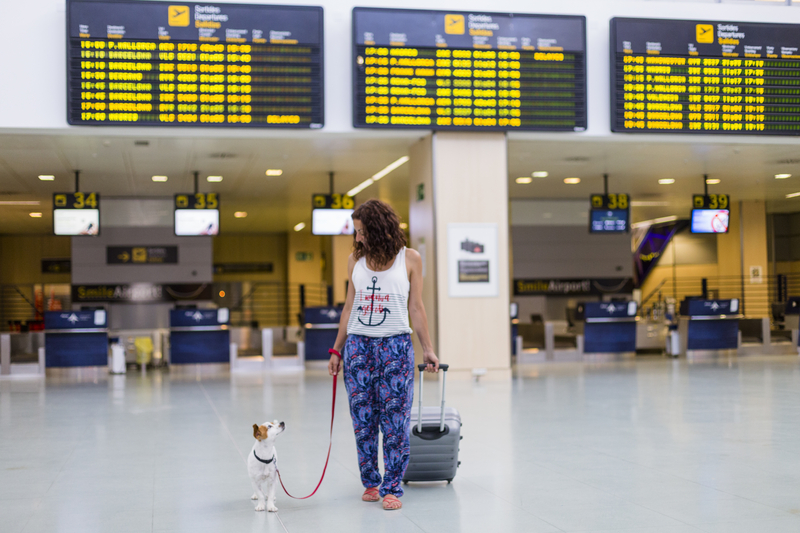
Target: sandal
[391, 502]
[371, 495]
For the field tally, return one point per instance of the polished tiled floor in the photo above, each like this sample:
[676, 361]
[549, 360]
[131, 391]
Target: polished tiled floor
[655, 446]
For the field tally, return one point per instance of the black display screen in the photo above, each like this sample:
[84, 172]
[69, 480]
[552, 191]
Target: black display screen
[192, 64]
[452, 70]
[682, 76]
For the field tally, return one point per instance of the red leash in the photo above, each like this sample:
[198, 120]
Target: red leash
[330, 443]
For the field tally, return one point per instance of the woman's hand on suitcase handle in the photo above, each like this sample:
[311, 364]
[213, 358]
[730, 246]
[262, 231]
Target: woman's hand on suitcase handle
[431, 361]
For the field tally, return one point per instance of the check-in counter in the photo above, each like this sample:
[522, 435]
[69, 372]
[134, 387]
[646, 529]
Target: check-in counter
[792, 318]
[321, 328]
[610, 327]
[75, 338]
[199, 336]
[709, 325]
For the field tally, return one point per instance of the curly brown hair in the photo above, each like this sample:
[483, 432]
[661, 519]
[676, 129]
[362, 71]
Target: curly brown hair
[381, 228]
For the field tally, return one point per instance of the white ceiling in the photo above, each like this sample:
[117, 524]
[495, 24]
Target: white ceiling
[116, 166]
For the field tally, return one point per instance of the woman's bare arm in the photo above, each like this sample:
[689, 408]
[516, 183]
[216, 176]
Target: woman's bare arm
[416, 309]
[335, 364]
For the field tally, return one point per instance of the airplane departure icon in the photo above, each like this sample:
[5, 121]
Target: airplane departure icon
[611, 308]
[73, 318]
[197, 316]
[714, 306]
[705, 33]
[178, 15]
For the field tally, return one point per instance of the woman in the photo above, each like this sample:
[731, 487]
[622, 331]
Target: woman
[374, 334]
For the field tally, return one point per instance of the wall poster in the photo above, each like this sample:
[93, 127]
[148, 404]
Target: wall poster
[472, 260]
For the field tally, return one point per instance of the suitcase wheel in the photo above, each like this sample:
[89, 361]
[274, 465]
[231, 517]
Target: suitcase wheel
[405, 482]
[449, 481]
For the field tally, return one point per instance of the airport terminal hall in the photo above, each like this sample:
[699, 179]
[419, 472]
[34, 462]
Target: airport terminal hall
[400, 267]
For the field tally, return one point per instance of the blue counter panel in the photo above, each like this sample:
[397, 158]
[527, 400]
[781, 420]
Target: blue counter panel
[713, 335]
[188, 347]
[609, 337]
[318, 342]
[75, 349]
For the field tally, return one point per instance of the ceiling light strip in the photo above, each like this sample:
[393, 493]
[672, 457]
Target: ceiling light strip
[378, 175]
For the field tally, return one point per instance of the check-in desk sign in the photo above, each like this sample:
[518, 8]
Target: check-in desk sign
[793, 306]
[592, 311]
[75, 320]
[199, 318]
[710, 308]
[141, 255]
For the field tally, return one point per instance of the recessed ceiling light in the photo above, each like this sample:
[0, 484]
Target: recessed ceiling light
[300, 226]
[666, 181]
[524, 179]
[713, 181]
[35, 215]
[403, 225]
[640, 203]
[160, 178]
[540, 174]
[240, 214]
[46, 177]
[572, 181]
[782, 176]
[793, 195]
[214, 179]
[274, 172]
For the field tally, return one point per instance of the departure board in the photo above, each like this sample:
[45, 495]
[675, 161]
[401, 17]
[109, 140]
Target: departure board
[451, 70]
[192, 64]
[681, 76]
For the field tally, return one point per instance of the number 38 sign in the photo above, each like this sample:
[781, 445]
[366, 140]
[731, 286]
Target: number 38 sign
[610, 201]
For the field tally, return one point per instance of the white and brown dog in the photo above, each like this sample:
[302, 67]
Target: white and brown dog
[262, 463]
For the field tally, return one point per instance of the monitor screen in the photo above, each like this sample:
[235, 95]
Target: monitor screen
[76, 221]
[608, 220]
[667, 76]
[456, 70]
[194, 64]
[332, 222]
[710, 220]
[193, 222]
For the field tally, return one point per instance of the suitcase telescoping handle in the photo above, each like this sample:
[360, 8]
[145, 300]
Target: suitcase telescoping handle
[442, 367]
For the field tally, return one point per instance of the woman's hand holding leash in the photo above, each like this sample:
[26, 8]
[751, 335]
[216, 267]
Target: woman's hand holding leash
[335, 364]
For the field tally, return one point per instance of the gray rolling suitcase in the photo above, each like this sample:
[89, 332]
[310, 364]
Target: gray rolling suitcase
[435, 438]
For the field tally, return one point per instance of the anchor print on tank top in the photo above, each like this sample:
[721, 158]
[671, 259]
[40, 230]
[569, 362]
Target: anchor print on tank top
[382, 309]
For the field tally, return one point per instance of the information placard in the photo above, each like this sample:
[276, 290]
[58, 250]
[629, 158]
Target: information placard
[76, 213]
[684, 76]
[197, 214]
[194, 64]
[468, 71]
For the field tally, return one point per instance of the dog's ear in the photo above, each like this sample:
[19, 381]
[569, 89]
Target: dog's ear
[260, 432]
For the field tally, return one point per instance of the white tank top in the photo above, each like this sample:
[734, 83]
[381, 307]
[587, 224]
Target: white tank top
[380, 308]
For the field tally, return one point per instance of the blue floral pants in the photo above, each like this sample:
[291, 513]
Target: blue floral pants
[379, 376]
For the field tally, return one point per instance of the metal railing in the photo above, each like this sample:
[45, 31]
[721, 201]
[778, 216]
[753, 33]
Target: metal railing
[273, 303]
[270, 304]
[756, 299]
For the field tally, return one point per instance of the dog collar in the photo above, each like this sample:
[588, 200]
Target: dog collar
[262, 460]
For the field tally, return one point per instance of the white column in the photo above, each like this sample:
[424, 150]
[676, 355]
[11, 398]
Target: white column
[465, 181]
